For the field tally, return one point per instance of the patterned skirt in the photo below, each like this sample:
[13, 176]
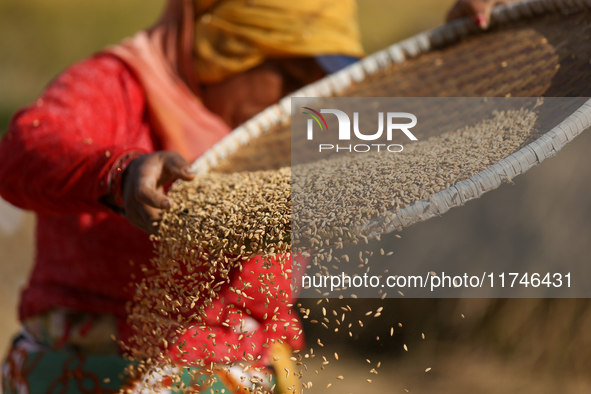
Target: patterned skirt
[71, 353]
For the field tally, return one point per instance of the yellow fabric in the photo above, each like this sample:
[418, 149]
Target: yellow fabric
[285, 369]
[235, 35]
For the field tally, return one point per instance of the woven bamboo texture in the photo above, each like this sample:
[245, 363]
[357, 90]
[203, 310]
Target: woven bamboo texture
[532, 48]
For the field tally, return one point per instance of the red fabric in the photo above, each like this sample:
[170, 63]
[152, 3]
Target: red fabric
[55, 160]
[232, 308]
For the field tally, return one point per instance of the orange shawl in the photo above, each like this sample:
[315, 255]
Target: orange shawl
[161, 59]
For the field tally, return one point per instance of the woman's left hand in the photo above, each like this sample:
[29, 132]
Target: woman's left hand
[478, 10]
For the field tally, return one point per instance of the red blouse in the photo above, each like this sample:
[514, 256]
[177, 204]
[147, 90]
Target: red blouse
[55, 160]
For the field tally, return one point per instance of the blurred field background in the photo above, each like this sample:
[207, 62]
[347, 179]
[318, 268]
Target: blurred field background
[512, 346]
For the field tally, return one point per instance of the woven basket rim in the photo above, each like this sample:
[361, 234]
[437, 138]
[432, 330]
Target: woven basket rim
[489, 179]
[400, 52]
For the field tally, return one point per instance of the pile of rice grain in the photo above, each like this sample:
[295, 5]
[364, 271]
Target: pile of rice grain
[344, 192]
[220, 220]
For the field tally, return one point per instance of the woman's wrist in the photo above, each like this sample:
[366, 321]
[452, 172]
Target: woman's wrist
[115, 180]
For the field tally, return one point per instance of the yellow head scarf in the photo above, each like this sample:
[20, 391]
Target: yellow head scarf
[235, 35]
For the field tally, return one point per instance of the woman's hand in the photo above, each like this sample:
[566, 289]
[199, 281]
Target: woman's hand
[478, 10]
[143, 187]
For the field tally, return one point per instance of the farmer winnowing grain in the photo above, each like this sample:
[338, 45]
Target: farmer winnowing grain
[92, 154]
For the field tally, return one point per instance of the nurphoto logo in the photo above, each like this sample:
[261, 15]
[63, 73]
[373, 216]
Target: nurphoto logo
[344, 132]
